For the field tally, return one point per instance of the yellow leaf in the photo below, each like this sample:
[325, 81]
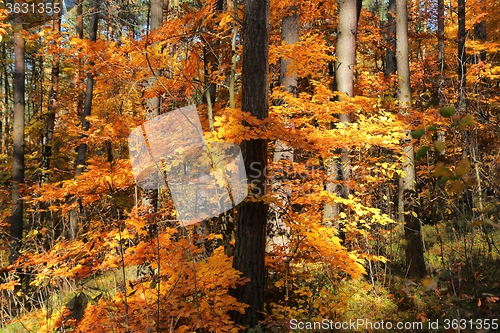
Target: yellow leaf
[442, 171]
[456, 186]
[463, 167]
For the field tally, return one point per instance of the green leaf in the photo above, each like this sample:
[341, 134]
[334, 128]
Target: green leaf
[447, 111]
[421, 152]
[476, 223]
[468, 120]
[443, 180]
[417, 133]
[439, 145]
[432, 128]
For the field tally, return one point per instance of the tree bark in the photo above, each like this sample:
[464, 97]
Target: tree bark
[415, 264]
[345, 51]
[462, 58]
[52, 104]
[252, 215]
[390, 53]
[149, 198]
[89, 89]
[440, 35]
[5, 116]
[16, 222]
[87, 108]
[289, 35]
[277, 230]
[480, 33]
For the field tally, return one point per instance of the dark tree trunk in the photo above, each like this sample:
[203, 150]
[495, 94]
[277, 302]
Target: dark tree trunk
[440, 35]
[390, 52]
[4, 119]
[87, 108]
[462, 58]
[52, 105]
[5, 116]
[252, 215]
[89, 89]
[16, 222]
[480, 33]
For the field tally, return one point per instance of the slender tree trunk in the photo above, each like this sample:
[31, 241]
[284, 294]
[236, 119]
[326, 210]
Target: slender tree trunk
[150, 197]
[415, 264]
[480, 34]
[252, 215]
[289, 35]
[277, 229]
[345, 51]
[89, 89]
[78, 78]
[232, 76]
[87, 108]
[52, 104]
[5, 116]
[16, 222]
[3, 111]
[109, 21]
[390, 53]
[78, 105]
[440, 35]
[462, 58]
[210, 61]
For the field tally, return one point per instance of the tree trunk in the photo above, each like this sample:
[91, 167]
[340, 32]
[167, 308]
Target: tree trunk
[52, 105]
[5, 116]
[480, 33]
[440, 35]
[277, 229]
[345, 51]
[289, 35]
[390, 53]
[415, 264]
[16, 222]
[89, 89]
[252, 215]
[87, 108]
[462, 57]
[150, 197]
